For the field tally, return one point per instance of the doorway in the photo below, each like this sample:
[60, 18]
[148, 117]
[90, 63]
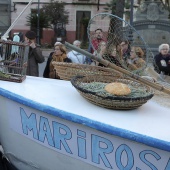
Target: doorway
[82, 20]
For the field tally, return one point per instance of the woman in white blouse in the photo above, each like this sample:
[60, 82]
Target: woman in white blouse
[75, 56]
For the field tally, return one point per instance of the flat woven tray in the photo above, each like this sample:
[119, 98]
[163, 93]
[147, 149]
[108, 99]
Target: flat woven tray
[111, 101]
[66, 71]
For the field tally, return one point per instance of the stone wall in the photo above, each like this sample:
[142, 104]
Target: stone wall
[153, 24]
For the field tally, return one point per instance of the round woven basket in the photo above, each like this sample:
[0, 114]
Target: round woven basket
[68, 70]
[112, 102]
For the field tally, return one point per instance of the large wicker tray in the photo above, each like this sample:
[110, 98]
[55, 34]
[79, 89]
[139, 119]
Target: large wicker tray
[66, 71]
[111, 102]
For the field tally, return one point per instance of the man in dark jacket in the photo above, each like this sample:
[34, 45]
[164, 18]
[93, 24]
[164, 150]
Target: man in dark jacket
[35, 54]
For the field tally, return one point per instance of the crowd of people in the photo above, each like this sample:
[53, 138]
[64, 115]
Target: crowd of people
[123, 55]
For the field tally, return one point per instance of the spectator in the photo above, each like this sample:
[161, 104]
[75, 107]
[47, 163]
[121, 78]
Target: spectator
[162, 60]
[97, 39]
[116, 55]
[34, 56]
[100, 53]
[135, 62]
[15, 48]
[47, 67]
[75, 56]
[59, 56]
[125, 47]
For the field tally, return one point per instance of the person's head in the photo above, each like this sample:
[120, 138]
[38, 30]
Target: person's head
[30, 36]
[77, 43]
[118, 47]
[139, 52]
[119, 51]
[124, 45]
[99, 33]
[60, 49]
[113, 51]
[57, 43]
[136, 52]
[164, 49]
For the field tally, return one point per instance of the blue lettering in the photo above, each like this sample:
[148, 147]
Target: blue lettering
[45, 131]
[168, 165]
[29, 122]
[143, 154]
[99, 151]
[130, 157]
[81, 144]
[60, 137]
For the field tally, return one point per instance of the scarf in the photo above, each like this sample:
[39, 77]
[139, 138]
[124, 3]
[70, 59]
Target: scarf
[59, 58]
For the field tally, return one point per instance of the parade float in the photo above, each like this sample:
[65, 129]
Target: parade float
[74, 123]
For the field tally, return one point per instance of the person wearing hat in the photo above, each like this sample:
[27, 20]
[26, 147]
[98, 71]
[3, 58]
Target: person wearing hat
[34, 56]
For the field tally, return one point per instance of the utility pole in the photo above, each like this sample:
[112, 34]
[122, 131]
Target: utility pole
[131, 12]
[38, 23]
[131, 21]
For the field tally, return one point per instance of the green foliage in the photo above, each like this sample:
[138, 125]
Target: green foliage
[127, 7]
[85, 21]
[115, 7]
[127, 4]
[166, 5]
[111, 7]
[56, 12]
[32, 20]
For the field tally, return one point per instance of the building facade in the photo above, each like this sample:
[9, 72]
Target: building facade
[78, 9]
[5, 15]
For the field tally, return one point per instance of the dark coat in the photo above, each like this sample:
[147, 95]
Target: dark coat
[34, 57]
[52, 71]
[159, 58]
[47, 67]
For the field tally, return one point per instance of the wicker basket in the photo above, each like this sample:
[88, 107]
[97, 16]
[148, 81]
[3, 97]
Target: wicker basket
[112, 102]
[68, 70]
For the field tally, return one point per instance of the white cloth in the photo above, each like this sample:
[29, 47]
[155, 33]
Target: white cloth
[15, 48]
[76, 57]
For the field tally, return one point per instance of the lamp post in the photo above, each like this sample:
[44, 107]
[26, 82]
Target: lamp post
[38, 23]
[131, 12]
[131, 21]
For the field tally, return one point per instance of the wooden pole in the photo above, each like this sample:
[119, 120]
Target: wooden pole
[15, 21]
